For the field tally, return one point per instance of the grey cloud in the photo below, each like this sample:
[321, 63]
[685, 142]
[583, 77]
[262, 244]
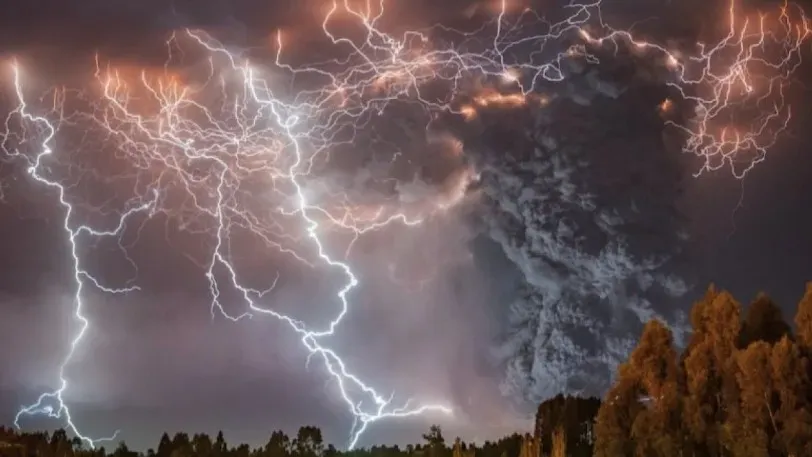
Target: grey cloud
[567, 196]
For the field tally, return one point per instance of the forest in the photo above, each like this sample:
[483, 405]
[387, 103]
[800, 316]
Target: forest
[742, 387]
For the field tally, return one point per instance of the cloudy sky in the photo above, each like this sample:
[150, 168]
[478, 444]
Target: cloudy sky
[446, 312]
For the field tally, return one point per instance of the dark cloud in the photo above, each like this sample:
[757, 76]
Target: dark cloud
[581, 196]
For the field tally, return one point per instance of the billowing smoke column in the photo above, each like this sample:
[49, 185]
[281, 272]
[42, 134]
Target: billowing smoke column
[580, 182]
[580, 195]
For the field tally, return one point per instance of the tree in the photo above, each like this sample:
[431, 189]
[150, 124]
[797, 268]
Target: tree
[699, 313]
[559, 443]
[740, 389]
[656, 430]
[790, 376]
[181, 445]
[576, 417]
[460, 450]
[123, 451]
[763, 322]
[165, 446]
[711, 393]
[278, 445]
[220, 446]
[202, 445]
[308, 442]
[435, 442]
[434, 438]
[803, 320]
[616, 416]
[331, 451]
[752, 430]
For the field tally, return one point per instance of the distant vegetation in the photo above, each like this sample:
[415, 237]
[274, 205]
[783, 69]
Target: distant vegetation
[741, 388]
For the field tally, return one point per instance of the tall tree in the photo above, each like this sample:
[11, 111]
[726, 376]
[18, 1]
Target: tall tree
[803, 320]
[308, 442]
[181, 445]
[123, 451]
[220, 446]
[616, 416]
[434, 438]
[559, 442]
[243, 450]
[752, 430]
[711, 396]
[460, 450]
[165, 446]
[792, 384]
[331, 451]
[657, 429]
[278, 445]
[202, 445]
[575, 415]
[763, 322]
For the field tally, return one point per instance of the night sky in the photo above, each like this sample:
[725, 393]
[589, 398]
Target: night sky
[433, 307]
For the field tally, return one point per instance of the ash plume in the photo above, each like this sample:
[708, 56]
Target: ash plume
[580, 194]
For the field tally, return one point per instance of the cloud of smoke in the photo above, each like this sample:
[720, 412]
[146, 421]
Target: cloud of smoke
[580, 195]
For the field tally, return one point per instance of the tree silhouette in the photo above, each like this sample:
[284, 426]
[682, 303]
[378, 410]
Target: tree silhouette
[164, 446]
[763, 322]
[711, 393]
[308, 442]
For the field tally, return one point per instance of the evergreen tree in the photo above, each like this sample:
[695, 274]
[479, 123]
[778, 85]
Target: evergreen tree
[220, 446]
[165, 446]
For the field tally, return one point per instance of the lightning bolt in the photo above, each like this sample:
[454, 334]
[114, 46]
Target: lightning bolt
[197, 146]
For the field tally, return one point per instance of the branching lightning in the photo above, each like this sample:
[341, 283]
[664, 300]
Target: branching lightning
[200, 145]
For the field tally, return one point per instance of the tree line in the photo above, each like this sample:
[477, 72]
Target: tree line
[742, 387]
[306, 443]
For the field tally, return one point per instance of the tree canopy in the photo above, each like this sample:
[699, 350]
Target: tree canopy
[306, 443]
[741, 387]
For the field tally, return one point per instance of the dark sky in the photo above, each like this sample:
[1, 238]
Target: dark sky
[155, 360]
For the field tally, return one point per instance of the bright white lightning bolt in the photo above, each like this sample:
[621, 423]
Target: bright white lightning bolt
[309, 338]
[182, 131]
[79, 274]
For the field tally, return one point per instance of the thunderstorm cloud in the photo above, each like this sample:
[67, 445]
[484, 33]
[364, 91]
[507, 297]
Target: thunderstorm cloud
[541, 230]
